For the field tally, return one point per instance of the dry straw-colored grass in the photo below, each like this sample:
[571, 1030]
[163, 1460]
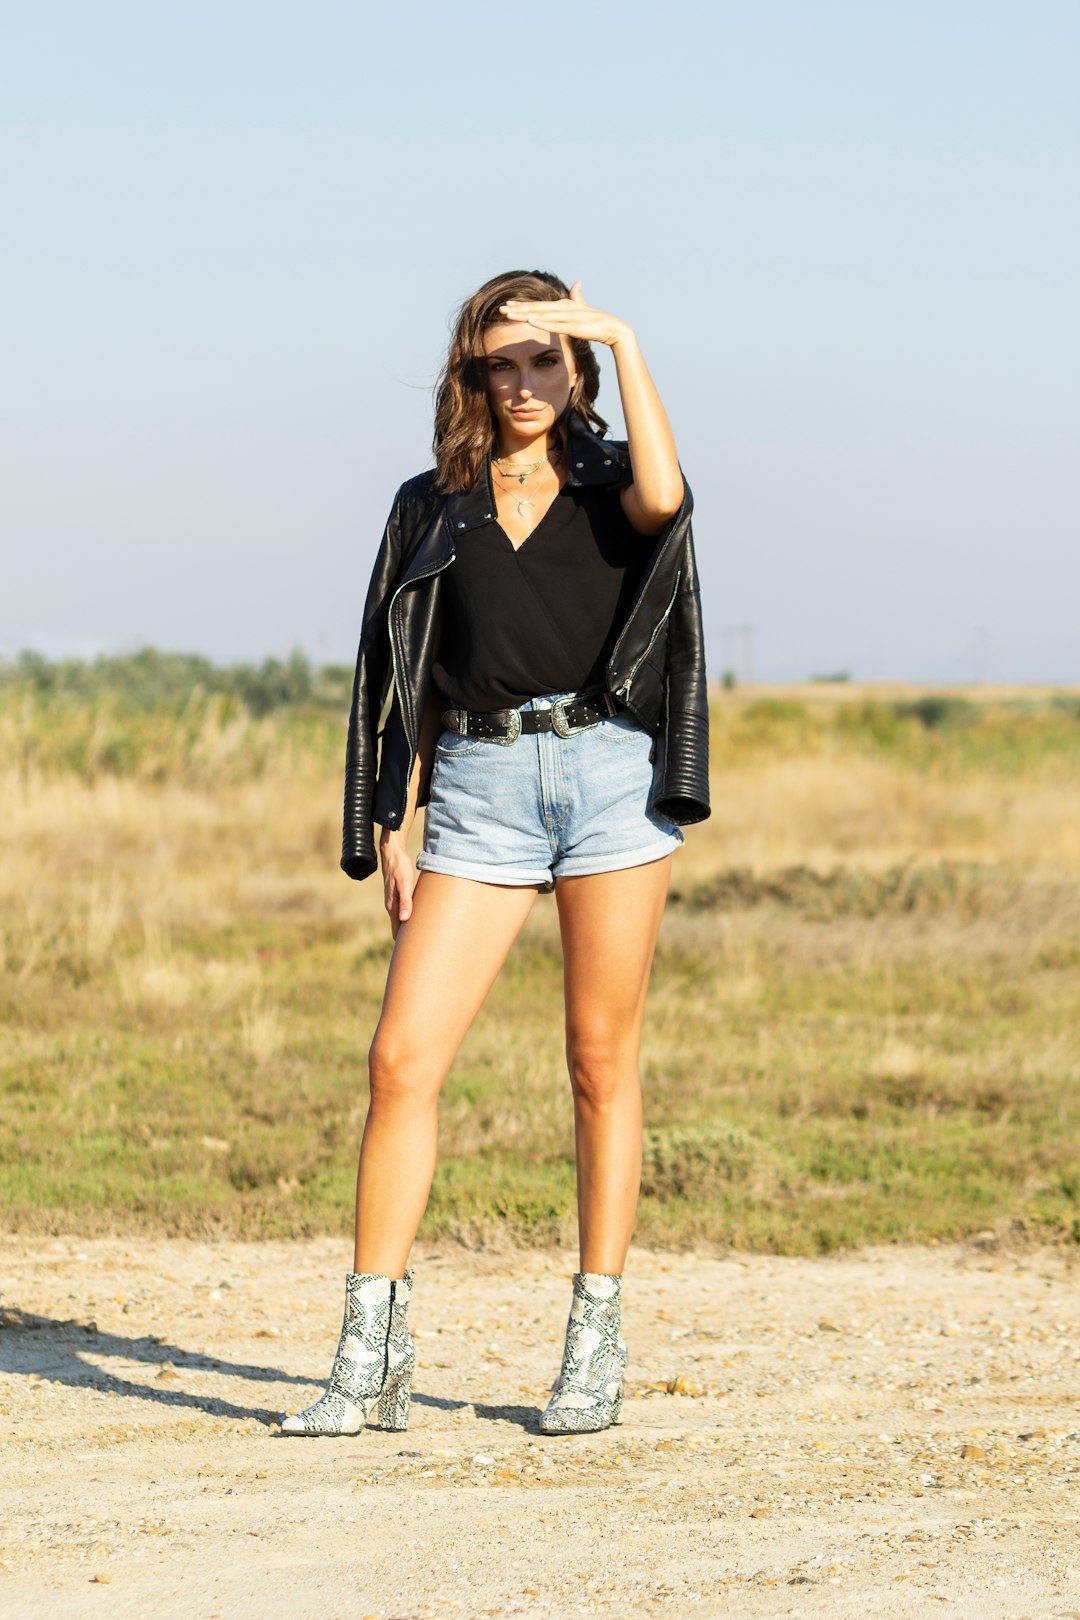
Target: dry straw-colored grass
[862, 1022]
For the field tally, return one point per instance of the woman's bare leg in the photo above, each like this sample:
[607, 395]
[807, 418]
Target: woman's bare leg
[446, 958]
[609, 922]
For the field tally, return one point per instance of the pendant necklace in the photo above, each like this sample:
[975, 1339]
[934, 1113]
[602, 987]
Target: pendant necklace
[526, 501]
[518, 471]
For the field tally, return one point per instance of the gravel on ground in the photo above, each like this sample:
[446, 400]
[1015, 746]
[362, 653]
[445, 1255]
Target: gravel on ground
[891, 1432]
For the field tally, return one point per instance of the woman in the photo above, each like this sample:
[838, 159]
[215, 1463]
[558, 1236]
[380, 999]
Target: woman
[533, 616]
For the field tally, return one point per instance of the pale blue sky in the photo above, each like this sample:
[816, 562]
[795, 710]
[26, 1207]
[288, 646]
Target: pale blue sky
[847, 234]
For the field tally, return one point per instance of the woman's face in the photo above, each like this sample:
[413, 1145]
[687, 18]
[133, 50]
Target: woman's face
[529, 378]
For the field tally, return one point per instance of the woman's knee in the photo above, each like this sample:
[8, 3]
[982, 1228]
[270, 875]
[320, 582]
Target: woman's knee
[400, 1070]
[603, 1068]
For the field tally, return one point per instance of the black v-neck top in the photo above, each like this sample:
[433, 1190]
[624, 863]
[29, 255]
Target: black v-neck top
[544, 618]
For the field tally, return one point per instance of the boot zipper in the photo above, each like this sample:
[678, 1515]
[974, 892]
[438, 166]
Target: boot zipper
[389, 1330]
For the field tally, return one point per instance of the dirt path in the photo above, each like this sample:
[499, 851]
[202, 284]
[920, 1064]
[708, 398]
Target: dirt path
[890, 1434]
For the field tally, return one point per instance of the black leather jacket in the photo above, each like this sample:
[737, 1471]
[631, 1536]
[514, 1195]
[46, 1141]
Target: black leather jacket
[656, 670]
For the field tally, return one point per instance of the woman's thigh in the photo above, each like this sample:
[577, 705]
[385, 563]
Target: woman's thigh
[609, 922]
[446, 957]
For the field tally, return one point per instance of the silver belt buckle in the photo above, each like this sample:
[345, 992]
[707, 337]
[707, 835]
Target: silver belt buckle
[559, 723]
[513, 733]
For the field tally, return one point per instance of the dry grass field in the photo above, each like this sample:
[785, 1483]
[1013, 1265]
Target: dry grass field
[863, 1022]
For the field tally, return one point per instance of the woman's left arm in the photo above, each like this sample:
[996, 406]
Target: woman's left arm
[657, 491]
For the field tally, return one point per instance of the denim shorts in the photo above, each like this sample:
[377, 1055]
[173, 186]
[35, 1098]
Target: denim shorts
[544, 806]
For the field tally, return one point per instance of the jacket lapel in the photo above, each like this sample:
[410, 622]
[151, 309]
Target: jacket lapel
[590, 459]
[433, 551]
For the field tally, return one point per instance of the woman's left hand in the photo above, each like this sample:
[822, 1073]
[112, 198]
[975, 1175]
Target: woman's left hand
[572, 316]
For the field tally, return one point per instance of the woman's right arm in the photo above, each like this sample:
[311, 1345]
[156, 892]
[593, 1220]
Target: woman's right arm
[399, 872]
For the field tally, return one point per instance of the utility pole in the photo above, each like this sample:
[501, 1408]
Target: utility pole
[728, 633]
[737, 644]
[747, 631]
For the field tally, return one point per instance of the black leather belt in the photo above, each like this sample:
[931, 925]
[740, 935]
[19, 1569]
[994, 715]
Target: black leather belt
[577, 712]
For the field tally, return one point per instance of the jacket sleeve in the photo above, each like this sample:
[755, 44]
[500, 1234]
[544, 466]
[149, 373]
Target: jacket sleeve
[371, 683]
[683, 772]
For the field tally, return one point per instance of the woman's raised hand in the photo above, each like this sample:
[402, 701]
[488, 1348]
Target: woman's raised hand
[398, 879]
[572, 316]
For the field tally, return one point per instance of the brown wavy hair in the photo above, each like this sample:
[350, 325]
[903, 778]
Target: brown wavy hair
[464, 424]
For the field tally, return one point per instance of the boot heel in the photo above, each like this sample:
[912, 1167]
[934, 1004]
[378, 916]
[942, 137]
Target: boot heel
[392, 1407]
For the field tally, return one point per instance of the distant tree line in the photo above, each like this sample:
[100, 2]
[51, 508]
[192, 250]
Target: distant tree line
[150, 679]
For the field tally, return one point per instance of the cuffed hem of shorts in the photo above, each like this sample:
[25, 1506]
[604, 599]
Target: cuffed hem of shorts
[584, 867]
[514, 877]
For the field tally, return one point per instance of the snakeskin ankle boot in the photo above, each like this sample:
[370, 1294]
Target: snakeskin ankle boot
[374, 1361]
[588, 1393]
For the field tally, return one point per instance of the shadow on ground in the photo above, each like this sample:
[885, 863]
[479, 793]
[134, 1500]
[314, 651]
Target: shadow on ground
[56, 1349]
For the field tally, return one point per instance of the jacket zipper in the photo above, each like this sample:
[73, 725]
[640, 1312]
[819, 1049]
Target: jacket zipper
[624, 690]
[398, 683]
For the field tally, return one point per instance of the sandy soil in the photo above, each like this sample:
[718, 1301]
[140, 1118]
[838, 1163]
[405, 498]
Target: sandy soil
[894, 1433]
